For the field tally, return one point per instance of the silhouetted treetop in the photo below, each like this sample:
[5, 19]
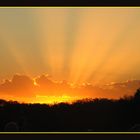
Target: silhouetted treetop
[137, 95]
[99, 114]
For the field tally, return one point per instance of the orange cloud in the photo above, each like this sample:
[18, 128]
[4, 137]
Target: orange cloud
[46, 86]
[123, 88]
[22, 86]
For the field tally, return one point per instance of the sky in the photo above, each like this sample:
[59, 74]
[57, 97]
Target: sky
[98, 46]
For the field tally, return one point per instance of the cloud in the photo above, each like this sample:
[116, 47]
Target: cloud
[20, 85]
[23, 86]
[44, 81]
[128, 83]
[123, 88]
[47, 86]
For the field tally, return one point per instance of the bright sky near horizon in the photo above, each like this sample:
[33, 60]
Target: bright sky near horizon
[96, 45]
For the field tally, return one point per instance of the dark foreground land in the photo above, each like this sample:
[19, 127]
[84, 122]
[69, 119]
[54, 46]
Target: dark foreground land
[84, 115]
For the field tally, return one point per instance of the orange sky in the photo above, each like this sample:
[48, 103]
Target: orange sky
[80, 45]
[44, 89]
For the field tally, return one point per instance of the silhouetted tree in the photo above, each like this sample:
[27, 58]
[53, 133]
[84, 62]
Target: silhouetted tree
[98, 114]
[137, 95]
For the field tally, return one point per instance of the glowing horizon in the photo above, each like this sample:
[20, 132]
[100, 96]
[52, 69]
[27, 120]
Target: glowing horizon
[43, 89]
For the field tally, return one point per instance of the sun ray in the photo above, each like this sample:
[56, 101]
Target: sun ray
[10, 45]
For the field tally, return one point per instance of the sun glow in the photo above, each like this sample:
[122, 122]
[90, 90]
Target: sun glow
[56, 99]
